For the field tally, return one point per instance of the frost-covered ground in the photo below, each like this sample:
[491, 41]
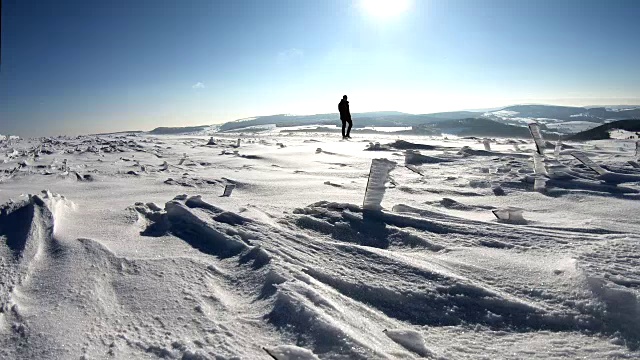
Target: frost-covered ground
[131, 252]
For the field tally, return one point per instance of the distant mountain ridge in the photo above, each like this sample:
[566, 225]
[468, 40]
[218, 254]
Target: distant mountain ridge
[602, 132]
[371, 118]
[563, 113]
[562, 120]
[481, 127]
[177, 130]
[460, 127]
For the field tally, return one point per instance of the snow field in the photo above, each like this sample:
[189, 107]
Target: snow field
[143, 258]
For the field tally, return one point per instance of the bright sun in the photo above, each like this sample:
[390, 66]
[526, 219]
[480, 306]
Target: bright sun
[385, 8]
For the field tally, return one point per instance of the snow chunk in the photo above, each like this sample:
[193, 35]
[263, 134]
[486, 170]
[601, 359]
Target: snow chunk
[290, 352]
[415, 158]
[410, 340]
[510, 214]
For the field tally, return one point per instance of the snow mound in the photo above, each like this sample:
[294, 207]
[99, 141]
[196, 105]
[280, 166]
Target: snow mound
[455, 205]
[406, 145]
[398, 145]
[290, 352]
[466, 151]
[198, 223]
[347, 222]
[511, 215]
[193, 182]
[411, 340]
[415, 158]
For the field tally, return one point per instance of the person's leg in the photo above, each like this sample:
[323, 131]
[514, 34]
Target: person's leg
[349, 128]
[344, 124]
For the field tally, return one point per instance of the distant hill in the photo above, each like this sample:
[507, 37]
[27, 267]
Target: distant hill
[558, 120]
[118, 133]
[615, 107]
[178, 130]
[546, 111]
[562, 119]
[382, 118]
[480, 127]
[569, 113]
[452, 115]
[464, 127]
[278, 120]
[602, 132]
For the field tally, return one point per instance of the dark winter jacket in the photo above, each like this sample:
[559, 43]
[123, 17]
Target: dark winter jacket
[343, 107]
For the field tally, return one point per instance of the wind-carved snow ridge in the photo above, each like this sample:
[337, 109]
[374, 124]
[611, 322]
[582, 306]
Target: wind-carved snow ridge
[289, 352]
[348, 223]
[331, 276]
[410, 339]
[198, 223]
[274, 263]
[450, 299]
[304, 297]
[27, 228]
[456, 298]
[618, 289]
[413, 157]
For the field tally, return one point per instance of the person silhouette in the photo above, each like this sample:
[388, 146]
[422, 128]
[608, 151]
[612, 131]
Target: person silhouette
[345, 117]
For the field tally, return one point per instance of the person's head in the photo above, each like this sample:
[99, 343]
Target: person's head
[344, 97]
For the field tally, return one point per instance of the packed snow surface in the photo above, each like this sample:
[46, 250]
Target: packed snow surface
[123, 247]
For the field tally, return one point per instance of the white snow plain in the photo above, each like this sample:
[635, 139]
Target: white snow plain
[122, 247]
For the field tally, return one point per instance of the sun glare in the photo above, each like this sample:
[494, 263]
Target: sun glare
[384, 9]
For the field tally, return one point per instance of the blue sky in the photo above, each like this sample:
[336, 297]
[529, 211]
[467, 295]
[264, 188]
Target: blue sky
[83, 66]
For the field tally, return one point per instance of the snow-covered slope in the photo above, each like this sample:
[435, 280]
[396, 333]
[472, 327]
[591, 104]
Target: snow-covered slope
[557, 119]
[562, 119]
[132, 252]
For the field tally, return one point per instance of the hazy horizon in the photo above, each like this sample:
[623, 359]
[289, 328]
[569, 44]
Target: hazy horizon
[78, 67]
[479, 110]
